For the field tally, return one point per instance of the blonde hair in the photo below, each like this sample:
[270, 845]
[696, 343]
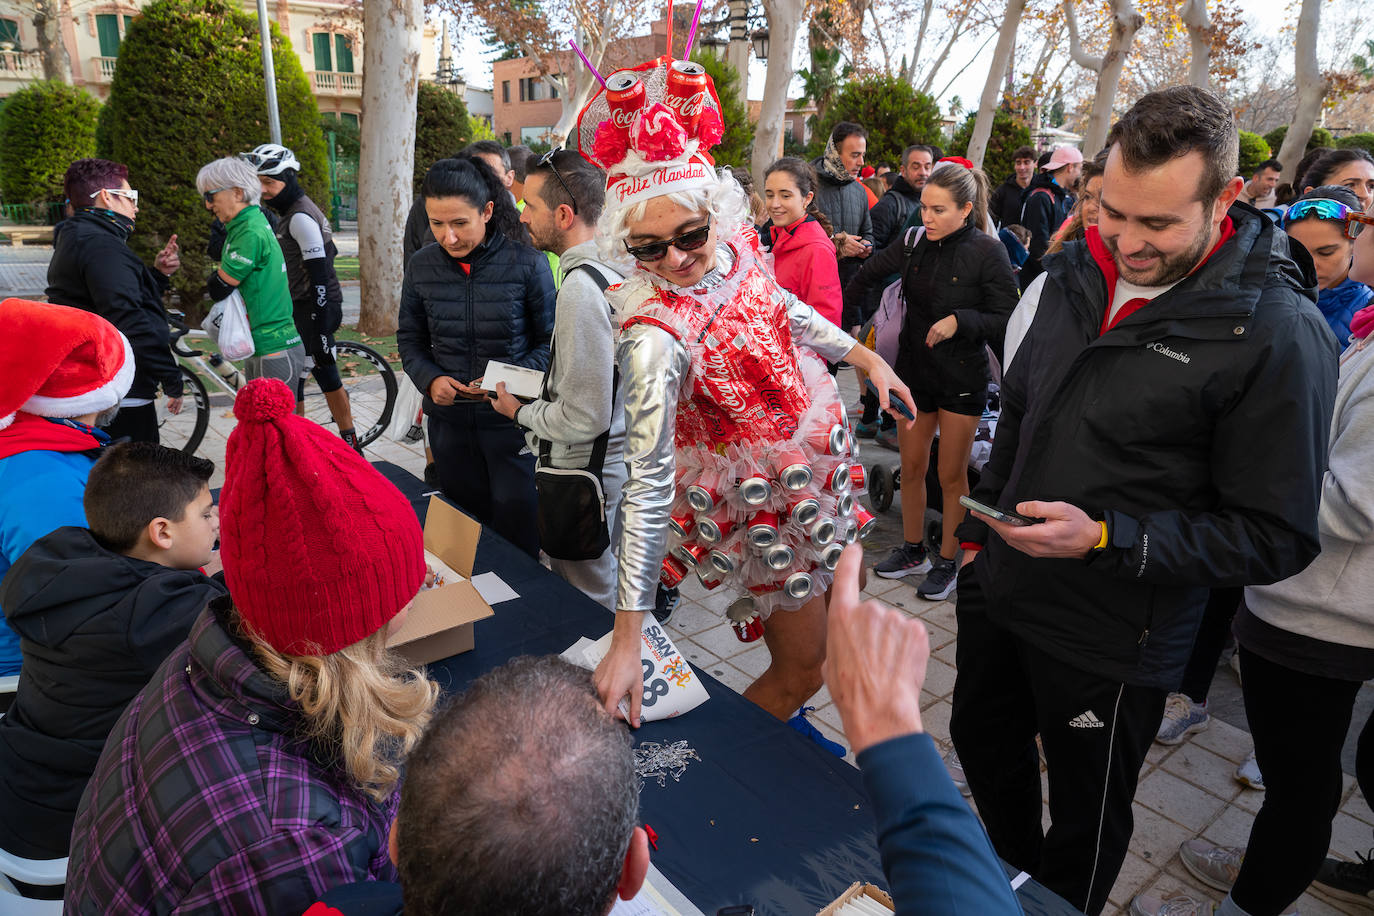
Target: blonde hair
[364, 700]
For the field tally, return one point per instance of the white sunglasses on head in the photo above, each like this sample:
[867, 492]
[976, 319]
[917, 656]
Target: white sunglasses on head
[119, 192]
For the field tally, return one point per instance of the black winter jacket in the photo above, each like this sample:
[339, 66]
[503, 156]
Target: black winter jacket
[1005, 203]
[93, 268]
[1044, 207]
[94, 627]
[453, 322]
[966, 274]
[890, 213]
[1196, 428]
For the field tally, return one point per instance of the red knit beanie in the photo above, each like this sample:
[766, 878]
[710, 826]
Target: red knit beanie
[319, 549]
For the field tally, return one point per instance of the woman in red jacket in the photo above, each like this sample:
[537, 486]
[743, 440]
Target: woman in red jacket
[803, 254]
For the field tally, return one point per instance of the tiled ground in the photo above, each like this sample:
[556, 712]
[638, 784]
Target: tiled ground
[1184, 791]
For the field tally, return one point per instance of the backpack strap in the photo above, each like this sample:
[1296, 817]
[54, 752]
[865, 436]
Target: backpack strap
[598, 456]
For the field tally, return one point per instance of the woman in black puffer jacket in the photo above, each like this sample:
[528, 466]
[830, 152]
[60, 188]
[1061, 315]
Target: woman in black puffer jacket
[959, 291]
[473, 297]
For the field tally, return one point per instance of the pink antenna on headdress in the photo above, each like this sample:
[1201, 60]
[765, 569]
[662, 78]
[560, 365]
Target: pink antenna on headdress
[599, 78]
[670, 29]
[692, 32]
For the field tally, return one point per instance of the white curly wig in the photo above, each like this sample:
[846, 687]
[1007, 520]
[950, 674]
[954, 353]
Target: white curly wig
[724, 200]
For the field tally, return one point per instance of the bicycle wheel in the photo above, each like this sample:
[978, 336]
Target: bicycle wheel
[371, 386]
[185, 430]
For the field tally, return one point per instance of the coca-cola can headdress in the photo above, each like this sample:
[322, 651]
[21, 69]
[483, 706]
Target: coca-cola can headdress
[651, 128]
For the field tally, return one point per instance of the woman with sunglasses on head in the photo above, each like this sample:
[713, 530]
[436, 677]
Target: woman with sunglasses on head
[1352, 169]
[471, 297]
[94, 268]
[735, 442]
[1320, 221]
[251, 262]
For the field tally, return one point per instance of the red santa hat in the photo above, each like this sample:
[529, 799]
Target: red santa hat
[57, 361]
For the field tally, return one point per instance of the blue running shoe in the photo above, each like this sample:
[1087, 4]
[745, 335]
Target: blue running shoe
[801, 724]
[866, 430]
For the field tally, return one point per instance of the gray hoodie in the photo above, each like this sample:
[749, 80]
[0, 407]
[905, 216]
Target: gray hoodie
[1333, 599]
[579, 383]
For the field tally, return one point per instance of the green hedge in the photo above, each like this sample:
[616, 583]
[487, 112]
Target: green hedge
[188, 89]
[44, 127]
[894, 114]
[1008, 133]
[442, 127]
[1364, 141]
[1253, 150]
[1320, 137]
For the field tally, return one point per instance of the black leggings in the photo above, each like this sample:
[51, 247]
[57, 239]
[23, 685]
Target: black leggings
[1299, 723]
[1212, 636]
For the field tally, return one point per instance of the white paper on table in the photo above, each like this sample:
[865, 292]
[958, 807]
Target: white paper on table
[521, 382]
[658, 897]
[671, 687]
[493, 588]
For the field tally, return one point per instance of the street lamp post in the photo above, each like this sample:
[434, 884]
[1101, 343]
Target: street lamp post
[760, 42]
[269, 73]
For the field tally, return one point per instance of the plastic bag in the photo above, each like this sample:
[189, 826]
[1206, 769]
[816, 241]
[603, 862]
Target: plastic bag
[405, 416]
[227, 325]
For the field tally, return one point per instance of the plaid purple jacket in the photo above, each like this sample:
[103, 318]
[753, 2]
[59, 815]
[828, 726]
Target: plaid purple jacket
[204, 801]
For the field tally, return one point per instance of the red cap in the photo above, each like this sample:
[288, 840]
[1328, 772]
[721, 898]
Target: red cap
[320, 550]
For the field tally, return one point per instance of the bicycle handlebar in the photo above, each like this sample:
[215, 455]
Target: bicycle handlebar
[179, 330]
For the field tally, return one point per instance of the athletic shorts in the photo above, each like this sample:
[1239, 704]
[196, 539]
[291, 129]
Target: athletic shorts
[286, 365]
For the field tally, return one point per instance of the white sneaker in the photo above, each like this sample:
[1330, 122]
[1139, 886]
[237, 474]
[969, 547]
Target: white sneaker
[956, 773]
[1182, 717]
[1248, 773]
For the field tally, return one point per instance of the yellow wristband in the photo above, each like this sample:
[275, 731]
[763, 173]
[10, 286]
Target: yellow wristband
[1102, 542]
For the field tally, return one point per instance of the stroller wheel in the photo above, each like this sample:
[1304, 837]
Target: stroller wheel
[881, 486]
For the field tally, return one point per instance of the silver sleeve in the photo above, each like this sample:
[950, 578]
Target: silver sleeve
[815, 333]
[653, 368]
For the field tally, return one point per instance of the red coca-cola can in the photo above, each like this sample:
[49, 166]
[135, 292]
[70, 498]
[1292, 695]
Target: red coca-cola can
[625, 96]
[672, 572]
[685, 93]
[858, 477]
[832, 441]
[766, 588]
[830, 557]
[791, 469]
[799, 585]
[728, 558]
[864, 520]
[845, 505]
[708, 577]
[779, 556]
[715, 526]
[749, 630]
[763, 529]
[755, 490]
[681, 522]
[851, 531]
[838, 482]
[804, 512]
[704, 493]
[692, 555]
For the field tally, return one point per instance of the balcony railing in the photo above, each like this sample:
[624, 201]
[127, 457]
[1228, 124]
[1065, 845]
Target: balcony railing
[327, 82]
[104, 68]
[21, 64]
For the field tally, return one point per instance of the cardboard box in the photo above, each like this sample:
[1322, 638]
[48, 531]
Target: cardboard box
[859, 890]
[441, 619]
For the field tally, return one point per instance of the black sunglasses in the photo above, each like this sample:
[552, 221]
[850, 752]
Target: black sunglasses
[688, 241]
[210, 195]
[547, 159]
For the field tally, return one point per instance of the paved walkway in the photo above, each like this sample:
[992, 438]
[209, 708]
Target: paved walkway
[1184, 791]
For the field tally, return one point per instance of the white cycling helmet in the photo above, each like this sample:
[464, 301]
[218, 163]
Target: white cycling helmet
[271, 159]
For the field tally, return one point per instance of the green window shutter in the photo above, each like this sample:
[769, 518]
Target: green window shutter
[349, 117]
[107, 30]
[128, 21]
[343, 54]
[322, 59]
[9, 30]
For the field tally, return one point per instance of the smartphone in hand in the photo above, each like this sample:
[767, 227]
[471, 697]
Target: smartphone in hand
[1008, 516]
[894, 402]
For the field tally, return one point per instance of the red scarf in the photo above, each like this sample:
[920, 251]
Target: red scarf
[30, 433]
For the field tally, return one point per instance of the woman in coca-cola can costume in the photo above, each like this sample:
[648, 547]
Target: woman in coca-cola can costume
[736, 442]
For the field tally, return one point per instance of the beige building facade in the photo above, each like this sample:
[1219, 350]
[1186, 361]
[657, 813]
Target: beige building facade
[325, 34]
